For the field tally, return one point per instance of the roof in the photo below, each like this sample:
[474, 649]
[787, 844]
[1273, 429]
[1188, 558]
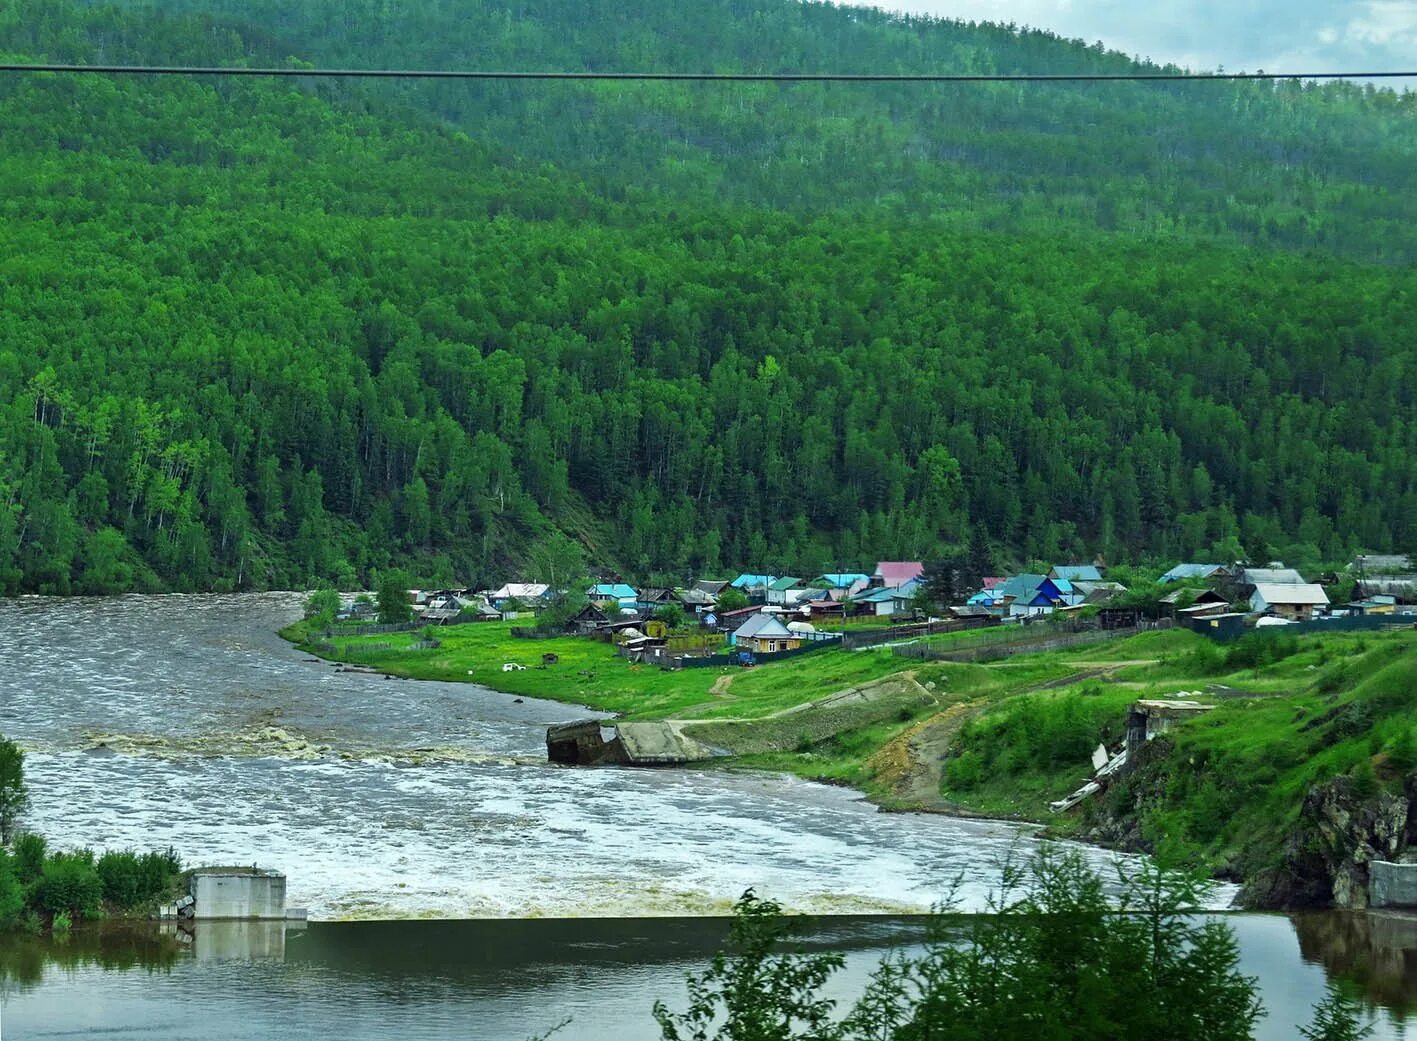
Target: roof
[843, 580]
[613, 590]
[787, 582]
[1274, 576]
[1382, 563]
[898, 572]
[655, 595]
[711, 586]
[1077, 572]
[1291, 593]
[746, 581]
[1020, 586]
[761, 625]
[1183, 571]
[880, 595]
[990, 583]
[694, 596]
[520, 590]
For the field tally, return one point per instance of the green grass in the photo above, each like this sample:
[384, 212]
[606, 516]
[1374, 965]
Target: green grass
[1229, 791]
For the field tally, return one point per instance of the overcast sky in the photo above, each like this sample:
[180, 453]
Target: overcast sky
[1274, 35]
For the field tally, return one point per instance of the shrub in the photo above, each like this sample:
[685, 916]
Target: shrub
[131, 880]
[1260, 649]
[1402, 753]
[70, 883]
[29, 856]
[322, 605]
[964, 772]
[12, 894]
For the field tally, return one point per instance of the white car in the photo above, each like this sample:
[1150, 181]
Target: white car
[512, 666]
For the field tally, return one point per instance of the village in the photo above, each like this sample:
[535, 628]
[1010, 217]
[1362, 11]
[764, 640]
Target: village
[755, 617]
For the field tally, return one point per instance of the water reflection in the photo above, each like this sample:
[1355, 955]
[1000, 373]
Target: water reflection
[439, 980]
[1375, 950]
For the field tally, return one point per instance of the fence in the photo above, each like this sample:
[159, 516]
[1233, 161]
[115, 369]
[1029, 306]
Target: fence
[329, 650]
[718, 660]
[1359, 624]
[853, 641]
[1031, 643]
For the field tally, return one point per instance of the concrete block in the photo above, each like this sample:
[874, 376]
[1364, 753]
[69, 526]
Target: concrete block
[238, 893]
[1392, 885]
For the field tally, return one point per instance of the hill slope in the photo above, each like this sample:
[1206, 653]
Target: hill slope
[255, 334]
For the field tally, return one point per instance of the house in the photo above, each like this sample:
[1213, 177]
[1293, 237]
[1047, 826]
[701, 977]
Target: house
[587, 620]
[1401, 587]
[1297, 603]
[883, 601]
[695, 601]
[826, 607]
[651, 599]
[1076, 573]
[850, 581]
[711, 587]
[764, 634]
[1247, 579]
[1025, 595]
[896, 573]
[754, 587]
[619, 593]
[1181, 572]
[1205, 598]
[784, 591]
[1270, 576]
[1099, 592]
[525, 592]
[1373, 605]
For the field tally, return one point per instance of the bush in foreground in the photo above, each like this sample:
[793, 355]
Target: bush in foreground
[1056, 961]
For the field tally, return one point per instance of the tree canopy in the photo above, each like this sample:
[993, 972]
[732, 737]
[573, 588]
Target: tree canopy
[261, 334]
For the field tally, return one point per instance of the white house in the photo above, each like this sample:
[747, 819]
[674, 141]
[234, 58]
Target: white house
[1297, 602]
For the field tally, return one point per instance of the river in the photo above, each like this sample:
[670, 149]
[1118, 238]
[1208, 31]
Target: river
[185, 721]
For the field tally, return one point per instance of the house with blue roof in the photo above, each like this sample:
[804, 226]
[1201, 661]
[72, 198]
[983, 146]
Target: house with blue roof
[1026, 595]
[623, 595]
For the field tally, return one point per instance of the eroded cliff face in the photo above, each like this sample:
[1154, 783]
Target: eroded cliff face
[1321, 863]
[1340, 831]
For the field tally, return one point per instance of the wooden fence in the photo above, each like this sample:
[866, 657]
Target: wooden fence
[1051, 639]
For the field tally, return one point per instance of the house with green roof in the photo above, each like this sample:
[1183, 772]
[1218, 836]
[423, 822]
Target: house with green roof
[785, 591]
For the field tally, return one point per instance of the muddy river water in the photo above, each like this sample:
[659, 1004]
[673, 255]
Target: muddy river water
[186, 721]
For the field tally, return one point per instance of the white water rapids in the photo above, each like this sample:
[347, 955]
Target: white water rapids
[185, 721]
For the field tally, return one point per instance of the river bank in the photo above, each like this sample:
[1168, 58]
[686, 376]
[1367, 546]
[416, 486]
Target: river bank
[186, 720]
[1226, 793]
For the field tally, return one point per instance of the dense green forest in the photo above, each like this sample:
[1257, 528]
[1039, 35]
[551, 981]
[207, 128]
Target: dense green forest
[262, 333]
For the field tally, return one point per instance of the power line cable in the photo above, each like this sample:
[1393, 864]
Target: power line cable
[693, 77]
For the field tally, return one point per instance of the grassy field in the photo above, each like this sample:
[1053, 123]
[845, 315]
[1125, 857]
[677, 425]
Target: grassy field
[593, 674]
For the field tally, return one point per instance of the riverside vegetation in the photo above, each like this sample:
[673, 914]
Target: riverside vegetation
[1222, 793]
[52, 889]
[257, 334]
[1057, 960]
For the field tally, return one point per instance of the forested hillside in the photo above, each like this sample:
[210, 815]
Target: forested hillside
[259, 333]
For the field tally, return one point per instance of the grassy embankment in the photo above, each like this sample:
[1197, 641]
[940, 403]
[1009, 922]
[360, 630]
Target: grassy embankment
[1005, 738]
